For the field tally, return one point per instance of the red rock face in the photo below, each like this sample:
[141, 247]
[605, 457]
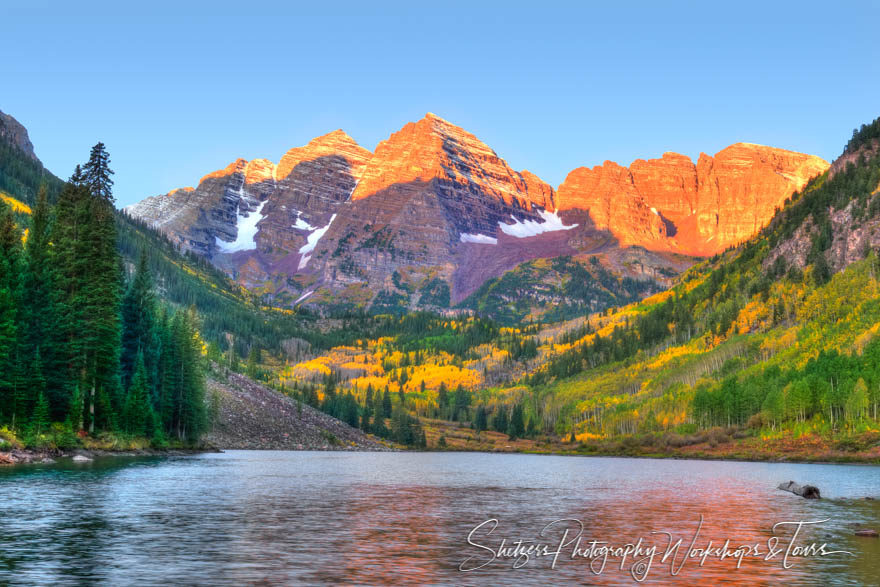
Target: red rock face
[610, 195]
[701, 209]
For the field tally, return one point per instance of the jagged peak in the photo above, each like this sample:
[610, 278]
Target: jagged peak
[234, 167]
[337, 142]
[331, 137]
[434, 117]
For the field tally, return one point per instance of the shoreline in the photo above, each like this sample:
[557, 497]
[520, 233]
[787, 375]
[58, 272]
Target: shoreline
[28, 456]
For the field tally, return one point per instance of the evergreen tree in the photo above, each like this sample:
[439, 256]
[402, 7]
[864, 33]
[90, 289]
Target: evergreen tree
[516, 427]
[138, 412]
[351, 415]
[40, 420]
[462, 401]
[96, 173]
[386, 404]
[138, 326]
[10, 245]
[253, 362]
[8, 342]
[442, 398]
[75, 411]
[41, 325]
[85, 256]
[481, 419]
[500, 420]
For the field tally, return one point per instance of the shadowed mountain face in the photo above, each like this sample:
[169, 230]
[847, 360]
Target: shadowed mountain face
[13, 132]
[434, 213]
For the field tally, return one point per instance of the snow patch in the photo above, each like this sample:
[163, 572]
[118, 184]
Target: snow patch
[301, 224]
[246, 225]
[478, 238]
[312, 242]
[526, 228]
[302, 297]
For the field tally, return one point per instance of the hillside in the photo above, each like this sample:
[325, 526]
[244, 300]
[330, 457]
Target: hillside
[254, 417]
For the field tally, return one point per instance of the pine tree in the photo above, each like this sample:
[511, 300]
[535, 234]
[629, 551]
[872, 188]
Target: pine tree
[500, 420]
[42, 327]
[386, 404]
[75, 410]
[87, 262]
[462, 401]
[96, 173]
[481, 419]
[138, 413]
[40, 420]
[351, 411]
[10, 244]
[253, 362]
[516, 426]
[192, 418]
[138, 326]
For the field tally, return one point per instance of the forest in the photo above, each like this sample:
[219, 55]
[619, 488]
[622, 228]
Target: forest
[86, 350]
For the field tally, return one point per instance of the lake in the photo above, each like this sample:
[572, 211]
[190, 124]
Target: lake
[405, 518]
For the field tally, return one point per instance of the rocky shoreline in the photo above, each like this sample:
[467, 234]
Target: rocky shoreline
[48, 457]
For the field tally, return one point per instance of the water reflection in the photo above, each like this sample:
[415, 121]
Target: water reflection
[269, 518]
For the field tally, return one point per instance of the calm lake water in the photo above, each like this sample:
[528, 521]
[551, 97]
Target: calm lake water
[245, 517]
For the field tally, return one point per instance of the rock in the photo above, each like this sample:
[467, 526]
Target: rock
[705, 208]
[867, 533]
[253, 416]
[805, 491]
[292, 199]
[609, 194]
[81, 459]
[47, 461]
[14, 132]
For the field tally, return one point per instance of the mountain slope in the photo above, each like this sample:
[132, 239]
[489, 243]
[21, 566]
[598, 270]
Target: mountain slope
[254, 417]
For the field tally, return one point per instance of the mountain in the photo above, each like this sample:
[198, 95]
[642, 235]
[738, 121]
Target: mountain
[434, 213]
[21, 172]
[769, 349]
[13, 132]
[672, 204]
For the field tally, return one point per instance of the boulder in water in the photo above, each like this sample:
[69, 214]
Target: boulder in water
[805, 491]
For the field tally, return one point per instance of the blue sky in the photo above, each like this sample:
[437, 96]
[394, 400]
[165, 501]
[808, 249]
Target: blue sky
[178, 89]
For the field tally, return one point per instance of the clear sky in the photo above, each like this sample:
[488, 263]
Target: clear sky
[179, 89]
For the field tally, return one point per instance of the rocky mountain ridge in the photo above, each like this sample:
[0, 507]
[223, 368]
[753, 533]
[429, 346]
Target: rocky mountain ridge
[433, 212]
